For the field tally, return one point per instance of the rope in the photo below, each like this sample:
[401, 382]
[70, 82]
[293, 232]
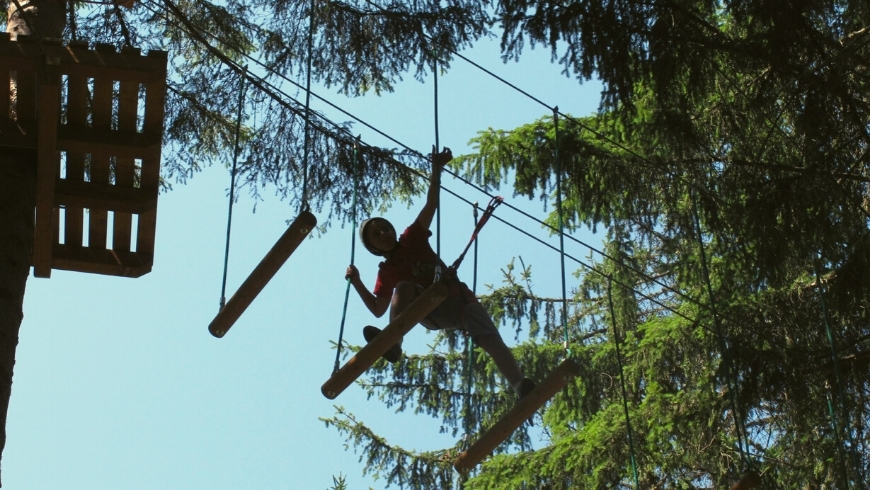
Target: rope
[836, 358]
[437, 148]
[723, 346]
[304, 204]
[123, 23]
[622, 381]
[355, 172]
[233, 184]
[73, 28]
[561, 232]
[469, 347]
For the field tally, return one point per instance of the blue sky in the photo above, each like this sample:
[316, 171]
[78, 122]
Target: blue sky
[118, 383]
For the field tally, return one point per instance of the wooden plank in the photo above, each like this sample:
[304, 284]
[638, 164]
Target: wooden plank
[47, 171]
[104, 62]
[515, 417]
[107, 262]
[104, 141]
[263, 273]
[27, 53]
[389, 336]
[128, 101]
[94, 195]
[155, 97]
[100, 171]
[76, 115]
[24, 50]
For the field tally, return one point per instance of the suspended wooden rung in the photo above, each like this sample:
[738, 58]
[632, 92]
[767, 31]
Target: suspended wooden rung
[263, 273]
[95, 119]
[393, 333]
[521, 412]
[748, 481]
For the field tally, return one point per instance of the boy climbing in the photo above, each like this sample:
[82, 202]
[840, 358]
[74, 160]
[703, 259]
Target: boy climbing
[409, 267]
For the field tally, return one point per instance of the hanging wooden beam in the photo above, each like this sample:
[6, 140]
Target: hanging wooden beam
[392, 334]
[263, 273]
[524, 409]
[750, 480]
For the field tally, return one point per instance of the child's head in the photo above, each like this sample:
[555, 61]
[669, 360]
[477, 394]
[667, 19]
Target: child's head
[378, 235]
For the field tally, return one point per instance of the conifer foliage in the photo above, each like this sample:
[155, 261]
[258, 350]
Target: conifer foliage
[728, 164]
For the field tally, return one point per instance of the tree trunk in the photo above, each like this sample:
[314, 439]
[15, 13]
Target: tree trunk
[17, 202]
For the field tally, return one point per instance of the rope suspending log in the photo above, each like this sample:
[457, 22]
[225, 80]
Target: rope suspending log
[524, 409]
[398, 327]
[561, 232]
[263, 273]
[233, 184]
[437, 149]
[355, 172]
[289, 241]
[622, 381]
[730, 375]
[835, 357]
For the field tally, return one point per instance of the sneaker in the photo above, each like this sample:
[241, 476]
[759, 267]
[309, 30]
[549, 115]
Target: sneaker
[392, 355]
[524, 387]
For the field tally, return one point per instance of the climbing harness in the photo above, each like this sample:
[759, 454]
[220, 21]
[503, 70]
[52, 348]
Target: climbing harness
[487, 213]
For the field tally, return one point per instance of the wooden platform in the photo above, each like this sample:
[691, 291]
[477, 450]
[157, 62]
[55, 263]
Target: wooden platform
[95, 119]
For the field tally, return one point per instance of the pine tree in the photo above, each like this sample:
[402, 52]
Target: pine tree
[734, 128]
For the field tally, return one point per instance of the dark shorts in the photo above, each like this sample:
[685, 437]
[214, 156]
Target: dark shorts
[459, 314]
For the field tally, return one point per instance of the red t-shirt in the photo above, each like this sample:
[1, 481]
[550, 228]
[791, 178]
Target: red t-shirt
[414, 260]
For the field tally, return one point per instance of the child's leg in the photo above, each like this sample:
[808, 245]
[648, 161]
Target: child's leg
[501, 355]
[404, 294]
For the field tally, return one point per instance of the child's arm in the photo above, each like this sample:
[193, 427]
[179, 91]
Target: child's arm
[432, 197]
[377, 305]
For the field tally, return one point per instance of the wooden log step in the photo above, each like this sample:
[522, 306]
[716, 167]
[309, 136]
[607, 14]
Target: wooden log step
[515, 417]
[262, 274]
[393, 333]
